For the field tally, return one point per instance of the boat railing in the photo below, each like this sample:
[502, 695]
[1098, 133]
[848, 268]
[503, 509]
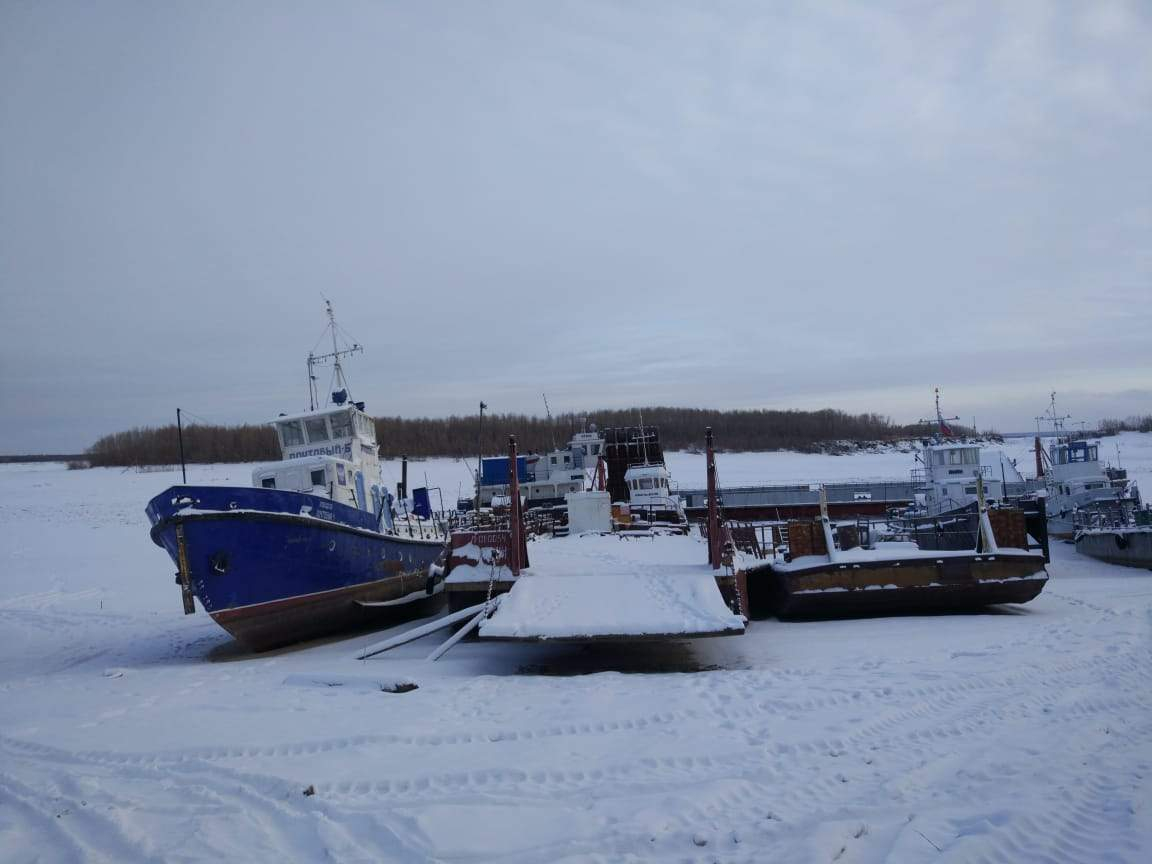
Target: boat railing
[1104, 514]
[957, 531]
[417, 528]
[751, 538]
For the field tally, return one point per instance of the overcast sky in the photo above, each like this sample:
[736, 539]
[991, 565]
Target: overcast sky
[785, 205]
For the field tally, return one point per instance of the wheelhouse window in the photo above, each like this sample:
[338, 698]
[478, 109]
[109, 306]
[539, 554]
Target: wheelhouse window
[341, 424]
[317, 429]
[268, 483]
[291, 433]
[964, 456]
[318, 477]
[645, 482]
[1082, 453]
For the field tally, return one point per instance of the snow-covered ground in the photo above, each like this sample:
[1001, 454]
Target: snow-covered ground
[131, 732]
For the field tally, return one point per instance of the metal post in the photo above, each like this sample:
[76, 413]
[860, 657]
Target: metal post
[180, 437]
[403, 476]
[184, 572]
[826, 526]
[989, 545]
[479, 458]
[514, 509]
[713, 504]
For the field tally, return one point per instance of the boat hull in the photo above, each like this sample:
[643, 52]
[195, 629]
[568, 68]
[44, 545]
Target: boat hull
[1129, 547]
[953, 584]
[271, 578]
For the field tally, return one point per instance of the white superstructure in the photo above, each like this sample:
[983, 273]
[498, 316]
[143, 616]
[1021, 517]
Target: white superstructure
[330, 452]
[1076, 480]
[948, 479]
[550, 476]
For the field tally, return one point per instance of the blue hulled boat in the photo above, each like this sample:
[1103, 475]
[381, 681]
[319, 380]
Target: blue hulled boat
[311, 547]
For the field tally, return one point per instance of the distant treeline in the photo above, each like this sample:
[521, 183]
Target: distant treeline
[1130, 424]
[40, 457]
[160, 445]
[680, 429]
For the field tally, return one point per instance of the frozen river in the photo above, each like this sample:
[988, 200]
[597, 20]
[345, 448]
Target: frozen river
[131, 732]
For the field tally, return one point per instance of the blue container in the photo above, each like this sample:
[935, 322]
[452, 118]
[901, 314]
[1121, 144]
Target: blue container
[494, 471]
[421, 503]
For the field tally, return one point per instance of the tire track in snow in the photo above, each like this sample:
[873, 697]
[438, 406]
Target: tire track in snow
[272, 809]
[492, 736]
[74, 819]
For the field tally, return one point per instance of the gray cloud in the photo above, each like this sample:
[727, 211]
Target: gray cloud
[786, 205]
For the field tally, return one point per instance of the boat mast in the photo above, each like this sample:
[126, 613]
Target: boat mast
[941, 420]
[551, 428]
[1050, 414]
[643, 436]
[942, 429]
[339, 381]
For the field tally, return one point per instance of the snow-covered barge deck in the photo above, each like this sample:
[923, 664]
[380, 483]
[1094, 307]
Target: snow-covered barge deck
[605, 581]
[616, 587]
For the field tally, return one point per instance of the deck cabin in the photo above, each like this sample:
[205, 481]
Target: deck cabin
[1081, 489]
[330, 452]
[948, 479]
[1074, 467]
[649, 495]
[586, 448]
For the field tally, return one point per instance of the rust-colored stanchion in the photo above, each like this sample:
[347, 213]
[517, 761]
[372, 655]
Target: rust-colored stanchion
[184, 576]
[515, 523]
[713, 504]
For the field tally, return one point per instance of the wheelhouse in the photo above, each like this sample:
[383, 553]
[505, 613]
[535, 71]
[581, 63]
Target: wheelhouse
[1073, 453]
[324, 430]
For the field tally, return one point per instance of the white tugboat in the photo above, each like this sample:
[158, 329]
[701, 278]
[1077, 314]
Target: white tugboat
[650, 498]
[947, 482]
[1079, 487]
